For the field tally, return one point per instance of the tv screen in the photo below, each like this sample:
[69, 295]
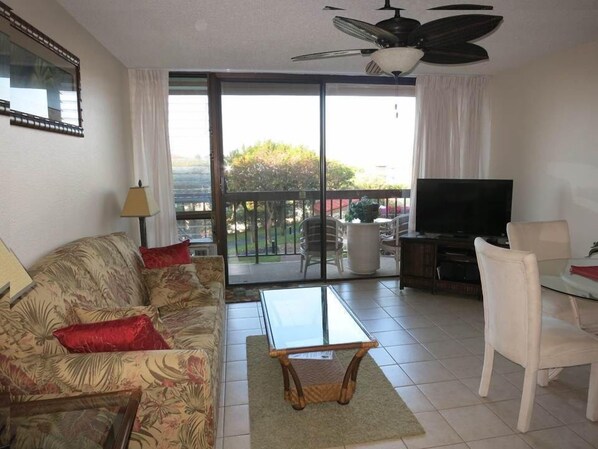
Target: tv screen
[463, 207]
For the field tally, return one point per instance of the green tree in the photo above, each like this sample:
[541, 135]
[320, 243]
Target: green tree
[274, 166]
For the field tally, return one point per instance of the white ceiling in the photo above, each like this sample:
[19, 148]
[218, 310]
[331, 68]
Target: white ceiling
[263, 35]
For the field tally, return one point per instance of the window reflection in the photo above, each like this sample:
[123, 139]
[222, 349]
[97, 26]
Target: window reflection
[39, 87]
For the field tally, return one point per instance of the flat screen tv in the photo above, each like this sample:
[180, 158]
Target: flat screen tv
[463, 207]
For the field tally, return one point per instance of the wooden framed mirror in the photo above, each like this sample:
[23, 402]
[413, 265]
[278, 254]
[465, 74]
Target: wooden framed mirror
[4, 59]
[44, 79]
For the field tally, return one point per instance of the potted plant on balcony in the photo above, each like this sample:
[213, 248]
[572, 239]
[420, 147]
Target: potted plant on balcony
[365, 210]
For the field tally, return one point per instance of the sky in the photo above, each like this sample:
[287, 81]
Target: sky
[362, 131]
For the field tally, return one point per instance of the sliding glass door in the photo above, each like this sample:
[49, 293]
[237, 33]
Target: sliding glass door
[369, 148]
[271, 151]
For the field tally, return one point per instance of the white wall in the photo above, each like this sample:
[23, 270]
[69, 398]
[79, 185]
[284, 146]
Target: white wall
[545, 137]
[56, 188]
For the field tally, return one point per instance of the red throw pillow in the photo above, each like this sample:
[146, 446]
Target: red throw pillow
[134, 333]
[166, 256]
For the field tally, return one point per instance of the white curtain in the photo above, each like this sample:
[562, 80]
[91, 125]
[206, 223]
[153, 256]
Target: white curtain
[151, 149]
[451, 130]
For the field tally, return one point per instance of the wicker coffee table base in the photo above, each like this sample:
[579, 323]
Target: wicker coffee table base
[319, 380]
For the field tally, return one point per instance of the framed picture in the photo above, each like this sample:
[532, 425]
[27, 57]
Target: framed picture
[4, 59]
[44, 86]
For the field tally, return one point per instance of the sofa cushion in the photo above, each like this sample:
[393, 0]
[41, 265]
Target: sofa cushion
[93, 272]
[87, 316]
[166, 256]
[126, 334]
[176, 287]
[196, 327]
[109, 265]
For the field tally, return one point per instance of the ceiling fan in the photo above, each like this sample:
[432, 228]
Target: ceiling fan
[404, 42]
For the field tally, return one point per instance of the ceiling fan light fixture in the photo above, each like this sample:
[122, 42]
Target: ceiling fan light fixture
[397, 59]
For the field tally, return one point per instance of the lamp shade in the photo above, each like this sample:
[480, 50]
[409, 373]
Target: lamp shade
[139, 203]
[13, 275]
[397, 60]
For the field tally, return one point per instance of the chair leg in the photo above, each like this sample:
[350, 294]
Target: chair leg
[527, 400]
[486, 370]
[307, 258]
[592, 407]
[339, 263]
[575, 308]
[543, 377]
[546, 375]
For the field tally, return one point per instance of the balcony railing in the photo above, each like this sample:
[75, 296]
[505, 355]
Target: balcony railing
[266, 224]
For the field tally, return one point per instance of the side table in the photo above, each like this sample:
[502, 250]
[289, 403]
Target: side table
[94, 420]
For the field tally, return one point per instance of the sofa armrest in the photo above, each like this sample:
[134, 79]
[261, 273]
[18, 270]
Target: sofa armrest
[209, 269]
[113, 371]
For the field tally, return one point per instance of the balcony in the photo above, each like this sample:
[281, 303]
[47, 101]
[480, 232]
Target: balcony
[262, 230]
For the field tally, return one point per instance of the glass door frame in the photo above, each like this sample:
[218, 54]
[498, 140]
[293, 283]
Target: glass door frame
[217, 148]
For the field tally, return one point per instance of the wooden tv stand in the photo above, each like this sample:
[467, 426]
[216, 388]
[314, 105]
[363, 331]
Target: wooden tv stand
[440, 264]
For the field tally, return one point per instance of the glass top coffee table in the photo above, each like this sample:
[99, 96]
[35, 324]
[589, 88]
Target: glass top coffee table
[304, 326]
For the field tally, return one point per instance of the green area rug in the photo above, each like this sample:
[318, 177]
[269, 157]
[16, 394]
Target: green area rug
[376, 412]
[239, 293]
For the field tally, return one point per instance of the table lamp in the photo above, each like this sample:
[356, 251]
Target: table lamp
[140, 203]
[13, 276]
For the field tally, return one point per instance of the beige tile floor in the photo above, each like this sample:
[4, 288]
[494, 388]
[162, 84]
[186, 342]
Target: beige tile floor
[431, 351]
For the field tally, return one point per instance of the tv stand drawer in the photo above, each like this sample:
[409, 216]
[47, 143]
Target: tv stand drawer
[418, 259]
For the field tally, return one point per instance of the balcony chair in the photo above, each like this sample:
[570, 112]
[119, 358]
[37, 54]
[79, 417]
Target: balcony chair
[390, 242]
[310, 242]
[517, 329]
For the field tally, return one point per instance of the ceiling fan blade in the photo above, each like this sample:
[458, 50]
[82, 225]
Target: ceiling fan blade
[453, 30]
[365, 31]
[335, 54]
[332, 8]
[373, 69]
[456, 54]
[463, 7]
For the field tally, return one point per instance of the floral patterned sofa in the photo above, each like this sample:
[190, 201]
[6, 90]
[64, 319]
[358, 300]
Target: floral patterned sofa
[179, 405]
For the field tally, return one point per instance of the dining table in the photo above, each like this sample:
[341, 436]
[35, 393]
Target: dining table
[556, 274]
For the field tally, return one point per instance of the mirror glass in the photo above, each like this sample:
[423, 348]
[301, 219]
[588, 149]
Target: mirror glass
[41, 82]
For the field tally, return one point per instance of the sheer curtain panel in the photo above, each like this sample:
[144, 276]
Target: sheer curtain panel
[451, 130]
[151, 149]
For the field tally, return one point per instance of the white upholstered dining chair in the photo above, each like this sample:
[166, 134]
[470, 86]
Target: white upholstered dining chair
[516, 328]
[551, 240]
